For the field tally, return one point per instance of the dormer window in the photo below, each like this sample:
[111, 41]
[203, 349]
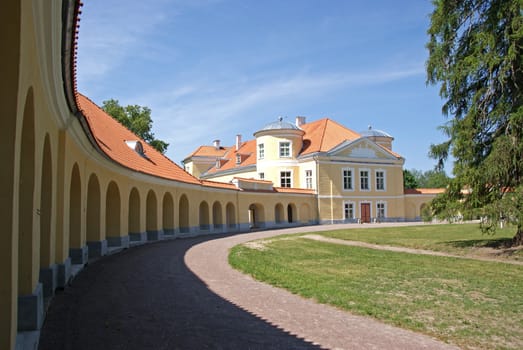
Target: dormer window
[136, 146]
[238, 159]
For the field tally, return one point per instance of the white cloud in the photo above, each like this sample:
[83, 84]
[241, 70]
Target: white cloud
[192, 114]
[118, 31]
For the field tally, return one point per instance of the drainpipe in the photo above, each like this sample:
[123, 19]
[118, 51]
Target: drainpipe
[316, 160]
[332, 205]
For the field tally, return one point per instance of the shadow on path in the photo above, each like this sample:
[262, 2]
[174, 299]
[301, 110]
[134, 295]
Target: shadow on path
[147, 298]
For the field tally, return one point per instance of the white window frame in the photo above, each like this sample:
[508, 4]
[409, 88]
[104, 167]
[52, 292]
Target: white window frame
[308, 178]
[290, 178]
[369, 183]
[289, 149]
[351, 179]
[261, 176]
[261, 151]
[378, 203]
[345, 204]
[384, 179]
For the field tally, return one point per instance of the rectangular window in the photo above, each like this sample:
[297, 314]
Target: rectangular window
[347, 179]
[308, 178]
[348, 211]
[238, 159]
[285, 149]
[261, 151]
[285, 179]
[262, 176]
[380, 180]
[364, 180]
[380, 210]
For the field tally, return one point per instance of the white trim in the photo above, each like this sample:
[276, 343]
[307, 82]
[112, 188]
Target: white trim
[261, 146]
[291, 177]
[369, 179]
[351, 180]
[354, 206]
[384, 179]
[280, 149]
[360, 197]
[305, 177]
[279, 163]
[360, 163]
[384, 208]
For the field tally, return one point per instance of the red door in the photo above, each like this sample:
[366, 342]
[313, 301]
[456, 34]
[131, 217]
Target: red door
[365, 212]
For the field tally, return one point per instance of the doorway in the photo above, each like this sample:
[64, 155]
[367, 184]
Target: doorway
[365, 213]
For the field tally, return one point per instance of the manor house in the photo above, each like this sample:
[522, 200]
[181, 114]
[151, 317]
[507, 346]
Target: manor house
[354, 177]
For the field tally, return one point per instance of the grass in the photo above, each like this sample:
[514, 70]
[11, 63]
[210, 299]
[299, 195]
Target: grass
[459, 239]
[470, 303]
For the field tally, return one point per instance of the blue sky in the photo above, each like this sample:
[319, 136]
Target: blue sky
[211, 69]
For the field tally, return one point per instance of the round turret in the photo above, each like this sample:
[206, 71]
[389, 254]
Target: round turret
[378, 136]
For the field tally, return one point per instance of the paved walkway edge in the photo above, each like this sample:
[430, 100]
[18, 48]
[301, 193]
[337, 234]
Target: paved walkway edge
[320, 324]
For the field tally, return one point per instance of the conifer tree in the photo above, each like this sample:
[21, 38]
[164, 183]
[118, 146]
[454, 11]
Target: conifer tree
[475, 56]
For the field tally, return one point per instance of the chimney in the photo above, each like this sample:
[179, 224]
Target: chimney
[300, 121]
[216, 144]
[238, 141]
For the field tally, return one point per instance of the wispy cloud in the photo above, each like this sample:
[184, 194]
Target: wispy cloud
[118, 31]
[191, 114]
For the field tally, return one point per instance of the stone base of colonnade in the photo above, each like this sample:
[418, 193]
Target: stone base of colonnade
[117, 243]
[97, 248]
[49, 279]
[154, 235]
[137, 238]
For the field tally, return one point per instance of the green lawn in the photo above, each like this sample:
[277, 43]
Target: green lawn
[460, 239]
[471, 303]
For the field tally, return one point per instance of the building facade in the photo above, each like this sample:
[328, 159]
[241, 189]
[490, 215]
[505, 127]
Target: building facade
[355, 177]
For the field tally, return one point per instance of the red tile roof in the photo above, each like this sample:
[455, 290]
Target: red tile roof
[210, 151]
[320, 136]
[423, 190]
[111, 136]
[325, 134]
[247, 152]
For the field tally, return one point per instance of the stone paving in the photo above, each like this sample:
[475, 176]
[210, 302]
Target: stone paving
[182, 294]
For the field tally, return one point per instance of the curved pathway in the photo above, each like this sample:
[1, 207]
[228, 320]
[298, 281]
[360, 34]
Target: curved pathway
[182, 294]
[321, 324]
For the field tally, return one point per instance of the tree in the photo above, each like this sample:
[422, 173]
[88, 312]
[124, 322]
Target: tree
[431, 178]
[409, 180]
[475, 53]
[137, 119]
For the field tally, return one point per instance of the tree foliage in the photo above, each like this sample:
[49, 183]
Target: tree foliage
[475, 54]
[431, 178]
[409, 180]
[137, 119]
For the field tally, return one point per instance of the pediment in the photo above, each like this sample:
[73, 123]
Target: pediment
[362, 149]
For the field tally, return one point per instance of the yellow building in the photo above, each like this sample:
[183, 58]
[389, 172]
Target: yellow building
[76, 185]
[356, 177]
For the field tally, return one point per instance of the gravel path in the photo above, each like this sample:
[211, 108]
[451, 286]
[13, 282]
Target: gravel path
[182, 294]
[404, 249]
